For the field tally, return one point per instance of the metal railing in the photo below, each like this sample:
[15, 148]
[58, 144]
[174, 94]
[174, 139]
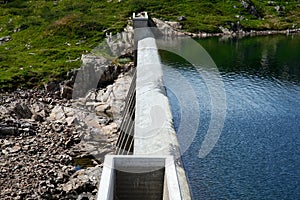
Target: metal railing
[125, 141]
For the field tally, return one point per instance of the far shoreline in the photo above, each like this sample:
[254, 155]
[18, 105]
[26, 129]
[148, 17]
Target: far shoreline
[178, 32]
[241, 34]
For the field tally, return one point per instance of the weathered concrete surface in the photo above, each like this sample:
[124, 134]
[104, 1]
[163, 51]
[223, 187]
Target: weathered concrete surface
[154, 125]
[154, 130]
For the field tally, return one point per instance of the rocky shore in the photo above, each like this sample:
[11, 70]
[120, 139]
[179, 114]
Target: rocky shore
[53, 145]
[166, 26]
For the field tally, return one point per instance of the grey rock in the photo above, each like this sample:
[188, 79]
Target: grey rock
[83, 180]
[8, 131]
[271, 3]
[5, 152]
[71, 120]
[26, 129]
[70, 112]
[38, 118]
[181, 18]
[3, 111]
[22, 111]
[15, 149]
[51, 87]
[104, 120]
[96, 72]
[18, 29]
[66, 92]
[4, 39]
[102, 109]
[174, 25]
[225, 30]
[87, 79]
[249, 6]
[277, 8]
[91, 96]
[121, 43]
[57, 127]
[114, 97]
[57, 113]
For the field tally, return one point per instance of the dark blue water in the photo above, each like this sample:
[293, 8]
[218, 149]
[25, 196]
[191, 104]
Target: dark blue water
[258, 153]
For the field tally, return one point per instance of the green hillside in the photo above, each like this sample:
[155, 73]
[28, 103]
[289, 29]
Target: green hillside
[47, 37]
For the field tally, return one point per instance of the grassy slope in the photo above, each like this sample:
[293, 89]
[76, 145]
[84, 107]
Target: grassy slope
[53, 32]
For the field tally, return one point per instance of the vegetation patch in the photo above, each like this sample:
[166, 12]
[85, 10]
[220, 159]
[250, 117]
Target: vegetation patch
[48, 37]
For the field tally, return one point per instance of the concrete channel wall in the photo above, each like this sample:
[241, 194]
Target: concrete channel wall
[133, 177]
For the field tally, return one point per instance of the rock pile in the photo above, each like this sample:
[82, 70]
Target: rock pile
[44, 134]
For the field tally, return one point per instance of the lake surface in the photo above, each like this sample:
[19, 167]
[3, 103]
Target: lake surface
[257, 155]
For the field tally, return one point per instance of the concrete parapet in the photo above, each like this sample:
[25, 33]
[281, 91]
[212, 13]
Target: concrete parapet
[154, 131]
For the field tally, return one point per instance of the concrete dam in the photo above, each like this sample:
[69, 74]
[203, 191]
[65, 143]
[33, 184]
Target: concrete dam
[147, 164]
